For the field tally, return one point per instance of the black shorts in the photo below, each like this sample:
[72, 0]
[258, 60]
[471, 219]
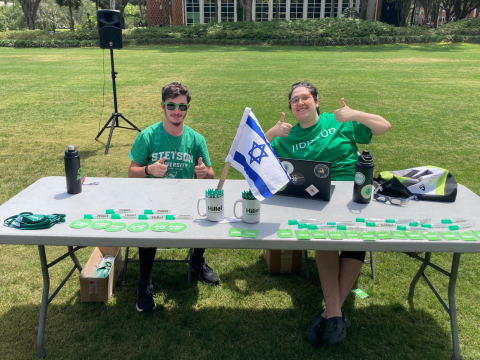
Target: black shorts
[357, 255]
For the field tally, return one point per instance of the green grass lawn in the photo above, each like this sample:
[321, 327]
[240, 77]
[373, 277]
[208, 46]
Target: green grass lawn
[51, 98]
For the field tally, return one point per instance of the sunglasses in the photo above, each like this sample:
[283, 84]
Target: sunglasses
[393, 200]
[172, 106]
[304, 98]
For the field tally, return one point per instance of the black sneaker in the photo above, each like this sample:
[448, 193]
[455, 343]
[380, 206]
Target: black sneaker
[205, 273]
[145, 300]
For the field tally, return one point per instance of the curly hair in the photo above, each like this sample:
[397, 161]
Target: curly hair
[305, 84]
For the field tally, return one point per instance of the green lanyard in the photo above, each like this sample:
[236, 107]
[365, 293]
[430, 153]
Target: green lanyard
[30, 221]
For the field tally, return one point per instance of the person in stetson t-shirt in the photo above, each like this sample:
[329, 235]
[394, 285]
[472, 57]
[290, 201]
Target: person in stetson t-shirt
[333, 138]
[169, 149]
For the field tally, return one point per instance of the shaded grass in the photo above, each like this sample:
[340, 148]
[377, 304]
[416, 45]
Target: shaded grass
[52, 98]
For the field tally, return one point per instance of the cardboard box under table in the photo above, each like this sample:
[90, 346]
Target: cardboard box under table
[283, 261]
[94, 289]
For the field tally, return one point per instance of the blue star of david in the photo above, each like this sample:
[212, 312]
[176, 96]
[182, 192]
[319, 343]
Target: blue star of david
[258, 159]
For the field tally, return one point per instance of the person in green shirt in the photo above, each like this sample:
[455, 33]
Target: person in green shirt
[333, 138]
[169, 149]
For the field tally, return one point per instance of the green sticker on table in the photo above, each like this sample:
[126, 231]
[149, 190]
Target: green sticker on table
[398, 235]
[467, 236]
[351, 234]
[414, 235]
[159, 227]
[248, 233]
[235, 232]
[100, 224]
[302, 234]
[476, 233]
[80, 224]
[319, 234]
[138, 227]
[432, 236]
[116, 226]
[335, 235]
[383, 235]
[368, 236]
[287, 233]
[449, 235]
[176, 227]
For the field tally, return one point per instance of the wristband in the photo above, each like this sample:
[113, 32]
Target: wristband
[146, 170]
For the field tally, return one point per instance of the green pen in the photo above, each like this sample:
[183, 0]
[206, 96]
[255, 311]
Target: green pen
[178, 217]
[124, 216]
[351, 227]
[118, 211]
[379, 224]
[158, 211]
[150, 216]
[455, 220]
[461, 226]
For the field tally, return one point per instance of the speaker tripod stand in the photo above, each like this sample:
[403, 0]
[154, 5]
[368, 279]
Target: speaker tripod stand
[114, 119]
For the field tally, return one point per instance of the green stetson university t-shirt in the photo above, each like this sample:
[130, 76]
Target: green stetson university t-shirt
[328, 140]
[152, 144]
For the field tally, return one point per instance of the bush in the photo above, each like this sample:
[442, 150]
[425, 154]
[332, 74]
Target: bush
[328, 31]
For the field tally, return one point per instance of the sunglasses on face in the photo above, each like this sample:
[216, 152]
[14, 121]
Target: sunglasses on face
[172, 106]
[304, 98]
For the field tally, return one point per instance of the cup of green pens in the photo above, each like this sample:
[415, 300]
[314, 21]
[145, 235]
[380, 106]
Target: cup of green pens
[250, 208]
[213, 205]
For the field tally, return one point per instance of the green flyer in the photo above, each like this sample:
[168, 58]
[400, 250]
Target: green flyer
[176, 227]
[159, 227]
[414, 235]
[476, 233]
[449, 235]
[250, 233]
[467, 236]
[235, 232]
[335, 235]
[319, 234]
[138, 227]
[432, 236]
[100, 224]
[351, 234]
[116, 226]
[383, 235]
[368, 235]
[398, 235]
[287, 233]
[80, 224]
[302, 234]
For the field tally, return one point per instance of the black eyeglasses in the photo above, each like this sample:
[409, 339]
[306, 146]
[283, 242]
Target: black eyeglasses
[393, 200]
[172, 106]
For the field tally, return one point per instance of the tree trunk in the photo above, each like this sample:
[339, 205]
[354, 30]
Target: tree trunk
[30, 8]
[277, 16]
[247, 9]
[371, 7]
[72, 24]
[216, 10]
[363, 9]
[141, 13]
[350, 8]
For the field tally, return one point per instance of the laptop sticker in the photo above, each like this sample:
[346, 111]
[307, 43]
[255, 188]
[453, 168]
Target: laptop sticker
[287, 166]
[312, 190]
[297, 179]
[321, 171]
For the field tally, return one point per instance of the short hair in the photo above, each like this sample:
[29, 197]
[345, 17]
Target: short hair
[305, 84]
[171, 91]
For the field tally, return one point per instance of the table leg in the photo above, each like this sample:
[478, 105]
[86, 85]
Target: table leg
[43, 307]
[418, 274]
[74, 259]
[452, 307]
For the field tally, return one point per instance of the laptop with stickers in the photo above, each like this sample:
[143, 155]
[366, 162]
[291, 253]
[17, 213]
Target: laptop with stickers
[309, 179]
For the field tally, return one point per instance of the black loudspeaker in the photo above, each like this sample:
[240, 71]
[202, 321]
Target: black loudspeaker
[109, 29]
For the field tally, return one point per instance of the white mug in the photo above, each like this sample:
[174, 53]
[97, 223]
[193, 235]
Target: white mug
[250, 210]
[214, 207]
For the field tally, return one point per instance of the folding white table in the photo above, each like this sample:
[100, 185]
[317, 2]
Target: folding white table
[48, 196]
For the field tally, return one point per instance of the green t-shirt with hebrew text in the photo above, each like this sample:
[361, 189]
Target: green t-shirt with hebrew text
[328, 140]
[154, 143]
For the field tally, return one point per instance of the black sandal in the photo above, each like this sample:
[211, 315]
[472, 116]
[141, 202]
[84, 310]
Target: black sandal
[316, 329]
[336, 330]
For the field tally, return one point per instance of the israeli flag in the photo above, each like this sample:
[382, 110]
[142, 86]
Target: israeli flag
[252, 155]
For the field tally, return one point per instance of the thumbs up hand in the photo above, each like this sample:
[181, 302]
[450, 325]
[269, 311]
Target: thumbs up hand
[282, 128]
[344, 114]
[200, 169]
[158, 169]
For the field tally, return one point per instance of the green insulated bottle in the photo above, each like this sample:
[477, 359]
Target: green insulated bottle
[362, 186]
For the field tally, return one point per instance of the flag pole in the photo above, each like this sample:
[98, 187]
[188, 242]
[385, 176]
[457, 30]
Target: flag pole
[224, 176]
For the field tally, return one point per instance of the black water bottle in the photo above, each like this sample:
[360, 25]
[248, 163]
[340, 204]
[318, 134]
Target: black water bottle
[362, 187]
[72, 170]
